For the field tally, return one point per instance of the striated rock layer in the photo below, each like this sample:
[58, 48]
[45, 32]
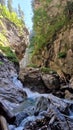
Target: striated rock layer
[10, 92]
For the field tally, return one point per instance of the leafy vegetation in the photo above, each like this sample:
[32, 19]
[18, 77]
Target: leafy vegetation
[9, 5]
[8, 12]
[62, 54]
[46, 27]
[6, 50]
[12, 16]
[2, 2]
[9, 53]
[32, 65]
[47, 70]
[3, 39]
[1, 63]
[69, 10]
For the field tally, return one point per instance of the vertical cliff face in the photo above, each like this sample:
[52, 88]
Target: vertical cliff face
[55, 50]
[15, 37]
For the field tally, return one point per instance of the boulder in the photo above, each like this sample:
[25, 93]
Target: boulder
[3, 123]
[51, 81]
[53, 114]
[5, 112]
[31, 77]
[68, 95]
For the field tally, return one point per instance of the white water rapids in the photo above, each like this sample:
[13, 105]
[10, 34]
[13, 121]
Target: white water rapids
[31, 96]
[29, 93]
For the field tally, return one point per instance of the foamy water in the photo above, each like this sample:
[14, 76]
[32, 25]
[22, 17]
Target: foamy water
[31, 94]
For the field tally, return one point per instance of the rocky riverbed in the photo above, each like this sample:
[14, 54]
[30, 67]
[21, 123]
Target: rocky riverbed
[50, 82]
[38, 109]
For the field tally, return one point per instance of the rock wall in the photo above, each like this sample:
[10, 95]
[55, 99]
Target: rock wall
[58, 52]
[10, 92]
[16, 37]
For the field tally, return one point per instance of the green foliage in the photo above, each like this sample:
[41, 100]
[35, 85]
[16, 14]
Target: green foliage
[45, 31]
[46, 1]
[12, 16]
[9, 5]
[9, 53]
[32, 65]
[4, 44]
[69, 10]
[3, 39]
[47, 70]
[62, 54]
[6, 49]
[20, 12]
[1, 63]
[45, 26]
[2, 2]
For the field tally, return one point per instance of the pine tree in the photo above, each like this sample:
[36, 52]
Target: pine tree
[9, 5]
[2, 2]
[20, 12]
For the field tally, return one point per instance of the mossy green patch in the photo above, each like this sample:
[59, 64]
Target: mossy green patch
[1, 63]
[47, 70]
[32, 65]
[62, 54]
[9, 53]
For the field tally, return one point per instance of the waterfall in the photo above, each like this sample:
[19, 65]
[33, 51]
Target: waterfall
[25, 61]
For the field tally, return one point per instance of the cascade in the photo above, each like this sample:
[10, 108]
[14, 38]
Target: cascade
[27, 106]
[25, 61]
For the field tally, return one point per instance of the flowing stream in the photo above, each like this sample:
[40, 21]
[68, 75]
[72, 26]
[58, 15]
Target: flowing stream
[27, 105]
[29, 93]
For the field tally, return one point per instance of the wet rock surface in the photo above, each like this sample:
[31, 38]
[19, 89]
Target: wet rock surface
[37, 111]
[9, 91]
[48, 113]
[31, 78]
[34, 79]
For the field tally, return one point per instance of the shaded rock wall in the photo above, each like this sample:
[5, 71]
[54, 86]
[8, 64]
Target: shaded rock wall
[57, 53]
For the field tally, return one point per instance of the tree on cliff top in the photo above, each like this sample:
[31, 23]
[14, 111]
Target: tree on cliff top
[9, 5]
[20, 12]
[2, 2]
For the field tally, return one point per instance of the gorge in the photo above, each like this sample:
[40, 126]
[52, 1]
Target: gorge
[36, 73]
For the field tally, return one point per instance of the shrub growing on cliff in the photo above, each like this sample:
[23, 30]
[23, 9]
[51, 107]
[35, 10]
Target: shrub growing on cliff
[61, 54]
[9, 53]
[69, 10]
[12, 16]
[32, 65]
[45, 26]
[1, 63]
[47, 70]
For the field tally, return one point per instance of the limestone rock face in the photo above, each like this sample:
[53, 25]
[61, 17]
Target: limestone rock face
[18, 39]
[63, 44]
[57, 53]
